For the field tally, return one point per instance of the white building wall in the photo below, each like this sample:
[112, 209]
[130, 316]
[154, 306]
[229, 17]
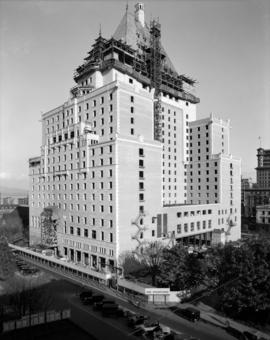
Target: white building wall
[91, 166]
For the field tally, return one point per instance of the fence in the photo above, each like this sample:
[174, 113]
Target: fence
[35, 319]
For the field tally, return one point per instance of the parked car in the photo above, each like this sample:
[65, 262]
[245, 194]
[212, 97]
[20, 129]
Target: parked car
[236, 333]
[90, 300]
[136, 320]
[148, 326]
[189, 313]
[109, 309]
[250, 336]
[100, 304]
[85, 295]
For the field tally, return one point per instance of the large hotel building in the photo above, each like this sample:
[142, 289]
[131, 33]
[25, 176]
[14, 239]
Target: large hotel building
[125, 161]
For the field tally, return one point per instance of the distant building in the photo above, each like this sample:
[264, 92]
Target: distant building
[22, 200]
[263, 168]
[246, 183]
[8, 200]
[263, 214]
[125, 160]
[16, 199]
[258, 193]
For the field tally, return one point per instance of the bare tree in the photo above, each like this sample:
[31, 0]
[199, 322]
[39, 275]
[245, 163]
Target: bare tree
[152, 254]
[26, 297]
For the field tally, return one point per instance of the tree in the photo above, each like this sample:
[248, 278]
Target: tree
[172, 272]
[131, 264]
[152, 255]
[26, 297]
[246, 270]
[196, 269]
[147, 261]
[11, 226]
[7, 261]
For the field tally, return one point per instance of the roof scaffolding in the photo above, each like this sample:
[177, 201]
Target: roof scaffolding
[137, 51]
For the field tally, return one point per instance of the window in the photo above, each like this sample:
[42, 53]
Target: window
[132, 99]
[94, 234]
[130, 81]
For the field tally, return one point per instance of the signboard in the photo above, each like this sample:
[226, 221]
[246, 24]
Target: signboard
[157, 291]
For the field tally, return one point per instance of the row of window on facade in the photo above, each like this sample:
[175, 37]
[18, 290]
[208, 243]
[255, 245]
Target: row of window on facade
[70, 111]
[194, 213]
[93, 233]
[77, 255]
[206, 127]
[64, 135]
[95, 222]
[70, 176]
[79, 165]
[190, 227]
[78, 196]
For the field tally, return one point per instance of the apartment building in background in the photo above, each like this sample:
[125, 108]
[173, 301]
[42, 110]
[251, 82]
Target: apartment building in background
[125, 161]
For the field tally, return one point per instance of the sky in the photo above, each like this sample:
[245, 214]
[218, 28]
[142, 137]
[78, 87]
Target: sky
[223, 44]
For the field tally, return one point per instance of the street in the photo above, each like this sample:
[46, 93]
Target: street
[65, 295]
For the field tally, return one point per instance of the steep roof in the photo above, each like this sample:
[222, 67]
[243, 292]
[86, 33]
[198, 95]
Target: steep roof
[134, 34]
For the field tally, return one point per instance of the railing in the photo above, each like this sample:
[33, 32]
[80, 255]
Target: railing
[58, 266]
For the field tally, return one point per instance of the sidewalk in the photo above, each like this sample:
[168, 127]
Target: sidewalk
[208, 314]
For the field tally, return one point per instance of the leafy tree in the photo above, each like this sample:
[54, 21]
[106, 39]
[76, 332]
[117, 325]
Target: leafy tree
[173, 270]
[7, 261]
[246, 270]
[212, 259]
[11, 226]
[196, 270]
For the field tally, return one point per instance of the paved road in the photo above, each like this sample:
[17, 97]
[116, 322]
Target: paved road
[66, 295]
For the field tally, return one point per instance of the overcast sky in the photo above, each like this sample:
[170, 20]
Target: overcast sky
[225, 45]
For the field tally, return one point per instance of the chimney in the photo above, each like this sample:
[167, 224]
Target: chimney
[139, 13]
